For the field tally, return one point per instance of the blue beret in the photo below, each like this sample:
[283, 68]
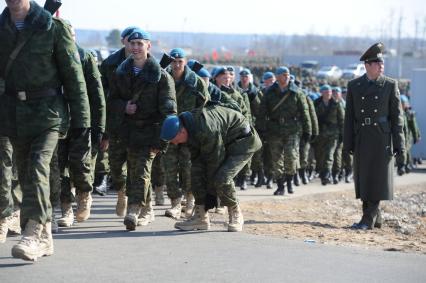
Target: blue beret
[268, 75]
[127, 31]
[139, 34]
[325, 87]
[177, 53]
[282, 70]
[245, 72]
[191, 63]
[337, 89]
[219, 71]
[204, 73]
[170, 128]
[404, 98]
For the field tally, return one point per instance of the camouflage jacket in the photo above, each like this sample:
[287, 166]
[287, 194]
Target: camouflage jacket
[291, 117]
[413, 134]
[330, 117]
[153, 92]
[48, 62]
[94, 90]
[218, 97]
[191, 92]
[242, 100]
[215, 133]
[254, 97]
[108, 67]
[313, 116]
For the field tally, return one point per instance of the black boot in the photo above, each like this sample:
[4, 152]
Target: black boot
[335, 178]
[303, 177]
[401, 170]
[296, 180]
[310, 174]
[100, 186]
[269, 183]
[280, 187]
[348, 176]
[325, 178]
[253, 180]
[289, 180]
[260, 179]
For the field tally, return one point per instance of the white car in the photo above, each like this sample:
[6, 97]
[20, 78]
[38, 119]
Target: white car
[353, 71]
[329, 73]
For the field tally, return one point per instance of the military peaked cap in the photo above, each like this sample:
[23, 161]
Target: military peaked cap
[374, 53]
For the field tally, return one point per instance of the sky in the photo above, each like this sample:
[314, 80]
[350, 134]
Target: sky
[372, 18]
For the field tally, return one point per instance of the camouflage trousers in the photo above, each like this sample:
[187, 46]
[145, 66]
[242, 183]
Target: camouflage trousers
[158, 174]
[102, 164]
[257, 161]
[33, 156]
[222, 182]
[177, 165]
[304, 154]
[267, 159]
[74, 158]
[139, 166]
[311, 158]
[6, 162]
[325, 146]
[347, 161]
[118, 162]
[284, 154]
[338, 159]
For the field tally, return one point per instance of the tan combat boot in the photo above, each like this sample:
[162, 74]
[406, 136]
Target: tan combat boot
[84, 203]
[200, 220]
[29, 247]
[67, 218]
[15, 222]
[159, 195]
[121, 207]
[236, 220]
[46, 240]
[147, 215]
[131, 219]
[175, 211]
[190, 203]
[4, 227]
[54, 224]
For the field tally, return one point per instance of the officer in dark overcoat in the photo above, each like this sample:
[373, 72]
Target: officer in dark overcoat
[373, 134]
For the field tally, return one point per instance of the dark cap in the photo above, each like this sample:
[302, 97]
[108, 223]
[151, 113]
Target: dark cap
[374, 53]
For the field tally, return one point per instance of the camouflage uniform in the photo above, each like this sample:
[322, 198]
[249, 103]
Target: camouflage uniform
[338, 154]
[284, 126]
[191, 93]
[6, 199]
[114, 159]
[330, 120]
[153, 92]
[33, 108]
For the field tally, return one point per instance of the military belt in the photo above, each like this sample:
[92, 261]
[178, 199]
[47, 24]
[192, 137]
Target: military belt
[30, 95]
[369, 121]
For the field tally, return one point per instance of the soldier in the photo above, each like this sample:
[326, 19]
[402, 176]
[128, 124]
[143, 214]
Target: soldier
[34, 109]
[221, 142]
[268, 80]
[337, 169]
[191, 92]
[254, 96]
[373, 134]
[347, 158]
[330, 115]
[79, 156]
[287, 119]
[116, 154]
[9, 208]
[142, 95]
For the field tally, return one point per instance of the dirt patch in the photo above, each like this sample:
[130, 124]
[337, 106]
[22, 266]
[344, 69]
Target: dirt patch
[326, 218]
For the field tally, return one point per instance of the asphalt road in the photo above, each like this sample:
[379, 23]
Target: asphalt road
[100, 250]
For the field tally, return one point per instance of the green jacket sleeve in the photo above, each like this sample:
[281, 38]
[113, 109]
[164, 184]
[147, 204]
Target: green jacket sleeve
[71, 75]
[314, 118]
[304, 114]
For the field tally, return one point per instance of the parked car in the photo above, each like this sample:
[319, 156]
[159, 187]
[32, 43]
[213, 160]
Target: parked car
[353, 71]
[329, 73]
[309, 68]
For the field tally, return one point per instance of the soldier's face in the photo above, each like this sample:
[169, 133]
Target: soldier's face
[178, 65]
[16, 5]
[283, 79]
[140, 48]
[181, 137]
[374, 69]
[326, 94]
[269, 82]
[245, 80]
[223, 79]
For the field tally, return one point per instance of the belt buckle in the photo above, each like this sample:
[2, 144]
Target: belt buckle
[367, 121]
[22, 95]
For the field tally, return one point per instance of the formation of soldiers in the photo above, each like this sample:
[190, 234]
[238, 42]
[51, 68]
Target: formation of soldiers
[145, 128]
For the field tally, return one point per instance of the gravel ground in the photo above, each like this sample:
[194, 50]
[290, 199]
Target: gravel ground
[326, 217]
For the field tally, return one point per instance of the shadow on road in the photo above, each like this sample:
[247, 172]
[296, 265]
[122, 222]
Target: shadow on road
[311, 223]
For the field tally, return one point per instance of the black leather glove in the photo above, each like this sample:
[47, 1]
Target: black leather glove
[306, 137]
[79, 132]
[210, 202]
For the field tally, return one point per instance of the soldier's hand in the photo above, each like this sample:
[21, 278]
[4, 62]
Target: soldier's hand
[131, 108]
[104, 145]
